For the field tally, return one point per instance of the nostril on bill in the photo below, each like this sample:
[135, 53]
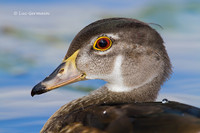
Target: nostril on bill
[61, 71]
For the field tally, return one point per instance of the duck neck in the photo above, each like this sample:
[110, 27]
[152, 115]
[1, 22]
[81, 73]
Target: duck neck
[103, 95]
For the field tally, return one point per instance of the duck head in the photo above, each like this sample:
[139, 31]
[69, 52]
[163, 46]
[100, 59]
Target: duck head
[126, 53]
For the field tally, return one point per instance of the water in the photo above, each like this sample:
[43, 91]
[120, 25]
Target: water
[165, 101]
[31, 47]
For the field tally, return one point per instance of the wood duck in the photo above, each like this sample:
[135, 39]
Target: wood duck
[130, 56]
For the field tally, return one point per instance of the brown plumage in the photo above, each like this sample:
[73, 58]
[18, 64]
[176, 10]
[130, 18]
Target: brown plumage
[154, 117]
[135, 66]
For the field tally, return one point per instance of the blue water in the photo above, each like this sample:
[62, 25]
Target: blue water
[19, 125]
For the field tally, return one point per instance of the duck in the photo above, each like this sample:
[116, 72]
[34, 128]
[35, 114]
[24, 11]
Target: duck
[131, 57]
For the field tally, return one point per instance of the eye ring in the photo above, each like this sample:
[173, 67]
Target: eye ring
[102, 43]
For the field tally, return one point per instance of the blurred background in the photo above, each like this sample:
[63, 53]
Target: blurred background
[35, 35]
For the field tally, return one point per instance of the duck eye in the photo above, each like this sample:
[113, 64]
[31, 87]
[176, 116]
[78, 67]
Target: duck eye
[102, 43]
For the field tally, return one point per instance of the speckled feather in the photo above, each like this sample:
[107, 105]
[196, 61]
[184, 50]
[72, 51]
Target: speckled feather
[143, 52]
[171, 117]
[144, 66]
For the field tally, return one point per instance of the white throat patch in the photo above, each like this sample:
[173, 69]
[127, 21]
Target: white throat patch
[116, 84]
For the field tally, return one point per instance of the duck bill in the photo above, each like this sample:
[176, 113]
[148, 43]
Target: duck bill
[64, 74]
